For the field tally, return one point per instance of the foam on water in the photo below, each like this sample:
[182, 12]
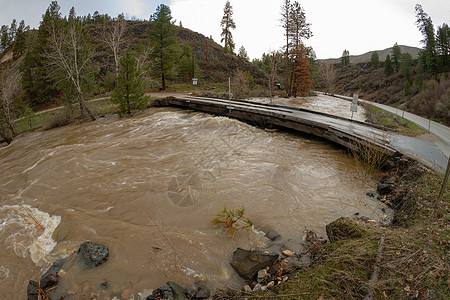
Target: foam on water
[31, 232]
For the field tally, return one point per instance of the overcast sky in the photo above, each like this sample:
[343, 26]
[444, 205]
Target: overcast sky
[356, 25]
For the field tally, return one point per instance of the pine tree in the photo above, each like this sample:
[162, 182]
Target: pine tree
[162, 36]
[4, 38]
[243, 53]
[227, 24]
[388, 69]
[187, 66]
[396, 57]
[425, 25]
[443, 44]
[12, 31]
[302, 76]
[405, 66]
[375, 60]
[293, 21]
[129, 93]
[299, 27]
[287, 26]
[345, 59]
[21, 39]
[40, 89]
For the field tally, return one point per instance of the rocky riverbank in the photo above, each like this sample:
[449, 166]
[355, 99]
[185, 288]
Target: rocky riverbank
[263, 270]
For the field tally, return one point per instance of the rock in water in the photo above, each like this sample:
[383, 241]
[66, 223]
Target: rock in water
[177, 291]
[32, 292]
[342, 229]
[202, 289]
[385, 186]
[92, 254]
[49, 282]
[247, 263]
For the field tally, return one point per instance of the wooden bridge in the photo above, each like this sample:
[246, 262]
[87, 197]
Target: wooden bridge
[345, 132]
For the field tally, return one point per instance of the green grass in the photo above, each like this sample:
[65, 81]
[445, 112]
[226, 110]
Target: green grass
[44, 119]
[393, 122]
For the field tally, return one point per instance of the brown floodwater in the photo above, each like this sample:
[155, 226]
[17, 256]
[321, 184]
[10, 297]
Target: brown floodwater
[147, 187]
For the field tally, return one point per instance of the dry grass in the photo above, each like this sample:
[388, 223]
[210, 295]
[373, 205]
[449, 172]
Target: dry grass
[414, 260]
[369, 158]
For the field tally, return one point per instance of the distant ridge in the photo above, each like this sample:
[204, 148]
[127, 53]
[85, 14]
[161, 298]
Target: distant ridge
[354, 59]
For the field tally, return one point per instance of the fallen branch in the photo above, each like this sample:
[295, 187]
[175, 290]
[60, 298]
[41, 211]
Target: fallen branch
[40, 228]
[164, 236]
[374, 278]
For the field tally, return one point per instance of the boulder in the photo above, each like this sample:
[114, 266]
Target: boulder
[247, 263]
[49, 282]
[385, 186]
[32, 293]
[55, 268]
[177, 291]
[164, 292]
[342, 229]
[92, 254]
[202, 289]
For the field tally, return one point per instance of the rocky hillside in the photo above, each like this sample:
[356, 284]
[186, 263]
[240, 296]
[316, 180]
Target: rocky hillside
[214, 64]
[430, 99]
[355, 59]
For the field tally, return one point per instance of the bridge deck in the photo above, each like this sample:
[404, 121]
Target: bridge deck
[350, 134]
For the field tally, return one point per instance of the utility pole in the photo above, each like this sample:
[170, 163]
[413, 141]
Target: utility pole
[229, 93]
[444, 184]
[270, 86]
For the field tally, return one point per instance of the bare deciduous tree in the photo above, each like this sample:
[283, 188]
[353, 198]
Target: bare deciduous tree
[114, 36]
[144, 63]
[274, 61]
[70, 58]
[328, 75]
[9, 86]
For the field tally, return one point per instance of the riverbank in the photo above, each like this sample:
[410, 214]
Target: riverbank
[411, 263]
[362, 259]
[404, 235]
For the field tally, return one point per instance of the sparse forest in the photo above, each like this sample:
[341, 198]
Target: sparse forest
[69, 60]
[418, 84]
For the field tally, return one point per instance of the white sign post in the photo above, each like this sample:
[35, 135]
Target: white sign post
[354, 105]
[194, 81]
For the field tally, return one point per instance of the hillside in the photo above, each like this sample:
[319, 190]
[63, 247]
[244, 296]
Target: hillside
[430, 99]
[356, 59]
[214, 64]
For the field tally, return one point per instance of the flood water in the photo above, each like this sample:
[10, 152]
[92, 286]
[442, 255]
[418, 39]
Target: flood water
[147, 187]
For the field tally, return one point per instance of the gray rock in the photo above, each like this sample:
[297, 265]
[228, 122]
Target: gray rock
[92, 254]
[54, 269]
[177, 291]
[49, 282]
[306, 260]
[164, 292]
[247, 263]
[385, 186]
[190, 293]
[257, 287]
[203, 291]
[262, 274]
[32, 293]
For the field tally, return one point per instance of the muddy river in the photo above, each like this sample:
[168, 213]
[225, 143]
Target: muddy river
[147, 187]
